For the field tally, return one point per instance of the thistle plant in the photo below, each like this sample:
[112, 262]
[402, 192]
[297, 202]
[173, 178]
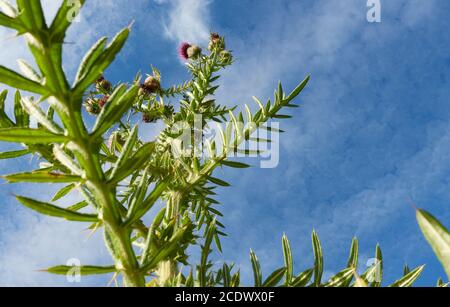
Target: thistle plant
[122, 178]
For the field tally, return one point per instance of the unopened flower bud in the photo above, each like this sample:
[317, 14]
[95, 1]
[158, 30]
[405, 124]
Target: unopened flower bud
[150, 86]
[103, 101]
[216, 42]
[103, 85]
[226, 57]
[149, 118]
[92, 106]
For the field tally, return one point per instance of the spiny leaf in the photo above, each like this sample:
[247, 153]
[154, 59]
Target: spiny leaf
[82, 270]
[437, 236]
[409, 279]
[64, 17]
[13, 23]
[303, 279]
[63, 192]
[30, 136]
[102, 61]
[51, 210]
[235, 164]
[341, 279]
[42, 177]
[114, 109]
[32, 109]
[134, 163]
[14, 154]
[32, 14]
[257, 275]
[90, 58]
[318, 259]
[297, 90]
[379, 271]
[274, 278]
[288, 263]
[218, 181]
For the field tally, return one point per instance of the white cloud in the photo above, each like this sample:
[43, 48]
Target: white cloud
[187, 20]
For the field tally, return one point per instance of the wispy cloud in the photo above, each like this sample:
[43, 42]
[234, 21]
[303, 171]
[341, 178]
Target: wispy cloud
[186, 20]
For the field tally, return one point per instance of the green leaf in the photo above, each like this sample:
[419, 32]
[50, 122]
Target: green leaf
[359, 282]
[235, 164]
[55, 211]
[63, 192]
[134, 163]
[218, 182]
[379, 271]
[341, 279]
[78, 206]
[22, 118]
[90, 58]
[31, 14]
[303, 279]
[33, 110]
[8, 9]
[318, 259]
[166, 250]
[13, 23]
[297, 90]
[409, 279]
[82, 270]
[14, 154]
[437, 236]
[5, 121]
[42, 177]
[257, 275]
[288, 263]
[102, 61]
[126, 151]
[353, 257]
[29, 71]
[274, 278]
[114, 109]
[66, 14]
[30, 136]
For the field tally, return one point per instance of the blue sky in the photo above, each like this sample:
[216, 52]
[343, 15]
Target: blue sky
[372, 134]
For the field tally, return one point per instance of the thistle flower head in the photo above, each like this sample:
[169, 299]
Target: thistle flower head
[183, 50]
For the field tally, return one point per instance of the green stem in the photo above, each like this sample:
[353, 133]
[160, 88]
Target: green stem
[117, 236]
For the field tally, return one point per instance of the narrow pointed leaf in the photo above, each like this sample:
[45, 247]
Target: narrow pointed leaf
[274, 278]
[15, 80]
[63, 192]
[14, 154]
[82, 270]
[257, 275]
[42, 177]
[303, 279]
[30, 136]
[288, 262]
[51, 210]
[341, 279]
[409, 279]
[297, 90]
[235, 164]
[318, 259]
[437, 236]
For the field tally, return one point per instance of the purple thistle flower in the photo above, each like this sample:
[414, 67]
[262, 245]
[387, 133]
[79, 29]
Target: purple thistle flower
[183, 50]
